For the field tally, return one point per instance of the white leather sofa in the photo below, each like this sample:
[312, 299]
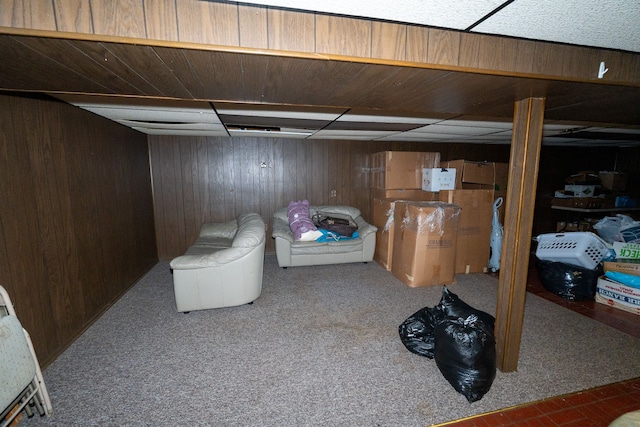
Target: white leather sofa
[291, 253]
[223, 267]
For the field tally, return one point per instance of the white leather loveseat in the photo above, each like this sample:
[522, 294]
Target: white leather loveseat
[291, 253]
[223, 267]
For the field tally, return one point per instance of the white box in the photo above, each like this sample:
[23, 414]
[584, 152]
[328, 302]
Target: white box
[627, 250]
[437, 179]
[581, 190]
[618, 295]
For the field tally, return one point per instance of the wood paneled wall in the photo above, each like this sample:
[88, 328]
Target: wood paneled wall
[76, 218]
[233, 24]
[200, 179]
[209, 179]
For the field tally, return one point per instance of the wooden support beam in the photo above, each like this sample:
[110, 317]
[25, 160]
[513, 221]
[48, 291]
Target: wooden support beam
[519, 206]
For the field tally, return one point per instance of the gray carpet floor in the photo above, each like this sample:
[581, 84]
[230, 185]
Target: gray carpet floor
[320, 347]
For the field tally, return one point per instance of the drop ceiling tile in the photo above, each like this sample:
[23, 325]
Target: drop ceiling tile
[353, 134]
[599, 23]
[478, 123]
[175, 126]
[454, 130]
[382, 118]
[278, 111]
[155, 115]
[181, 132]
[371, 126]
[438, 13]
[279, 133]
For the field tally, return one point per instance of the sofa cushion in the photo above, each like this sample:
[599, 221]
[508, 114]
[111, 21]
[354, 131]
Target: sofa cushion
[339, 209]
[224, 230]
[335, 247]
[203, 249]
[213, 242]
[250, 232]
[347, 210]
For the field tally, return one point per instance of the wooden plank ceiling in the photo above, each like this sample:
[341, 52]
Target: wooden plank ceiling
[66, 66]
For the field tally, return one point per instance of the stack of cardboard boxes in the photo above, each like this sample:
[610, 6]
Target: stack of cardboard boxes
[426, 237]
[616, 293]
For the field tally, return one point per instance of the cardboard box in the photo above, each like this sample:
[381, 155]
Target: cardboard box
[622, 266]
[406, 194]
[473, 248]
[472, 175]
[565, 226]
[438, 179]
[382, 218]
[614, 181]
[578, 202]
[424, 242]
[618, 295]
[500, 187]
[576, 190]
[583, 177]
[400, 169]
[626, 250]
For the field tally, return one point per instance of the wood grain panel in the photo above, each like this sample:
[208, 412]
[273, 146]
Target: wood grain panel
[545, 59]
[255, 77]
[578, 61]
[150, 72]
[221, 74]
[73, 16]
[252, 26]
[103, 57]
[34, 14]
[72, 60]
[18, 74]
[208, 22]
[343, 36]
[417, 43]
[181, 68]
[81, 216]
[161, 19]
[288, 30]
[388, 41]
[123, 18]
[487, 52]
[444, 47]
[48, 162]
[525, 56]
[25, 273]
[325, 80]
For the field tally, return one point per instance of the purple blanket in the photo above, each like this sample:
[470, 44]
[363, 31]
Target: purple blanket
[300, 221]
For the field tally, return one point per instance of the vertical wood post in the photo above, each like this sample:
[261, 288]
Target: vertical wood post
[519, 207]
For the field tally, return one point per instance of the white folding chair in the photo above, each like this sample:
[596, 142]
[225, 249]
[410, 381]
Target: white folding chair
[21, 383]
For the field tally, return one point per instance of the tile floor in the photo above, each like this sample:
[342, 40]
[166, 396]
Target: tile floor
[589, 408]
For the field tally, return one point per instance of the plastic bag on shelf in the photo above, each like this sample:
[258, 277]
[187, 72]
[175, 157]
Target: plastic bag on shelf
[619, 228]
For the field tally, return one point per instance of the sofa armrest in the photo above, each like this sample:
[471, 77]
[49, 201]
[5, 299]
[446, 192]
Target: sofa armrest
[281, 229]
[364, 228]
[214, 259]
[225, 230]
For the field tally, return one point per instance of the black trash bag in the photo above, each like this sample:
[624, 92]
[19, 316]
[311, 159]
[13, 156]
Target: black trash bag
[417, 332]
[465, 354]
[453, 307]
[571, 282]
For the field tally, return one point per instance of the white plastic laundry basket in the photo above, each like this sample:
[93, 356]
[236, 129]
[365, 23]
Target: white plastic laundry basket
[580, 248]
